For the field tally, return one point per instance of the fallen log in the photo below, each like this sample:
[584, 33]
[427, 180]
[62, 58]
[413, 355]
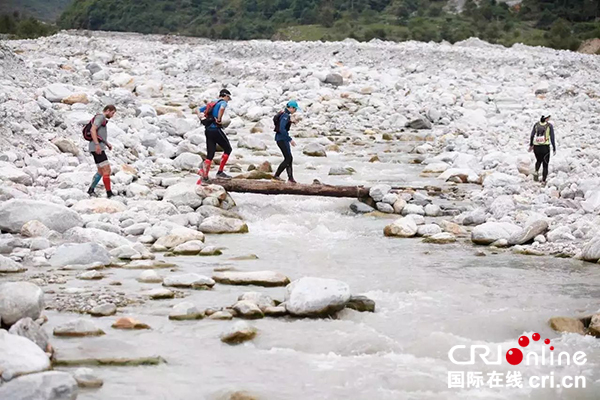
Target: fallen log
[275, 187]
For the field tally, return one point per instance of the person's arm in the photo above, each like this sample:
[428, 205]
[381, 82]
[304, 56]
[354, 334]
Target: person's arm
[283, 122]
[552, 138]
[221, 112]
[532, 135]
[94, 132]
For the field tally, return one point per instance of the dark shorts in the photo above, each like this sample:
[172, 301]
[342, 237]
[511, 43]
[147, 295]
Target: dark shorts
[100, 159]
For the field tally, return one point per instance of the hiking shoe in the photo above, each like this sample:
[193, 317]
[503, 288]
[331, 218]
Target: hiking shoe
[536, 177]
[91, 192]
[223, 175]
[291, 181]
[278, 178]
[109, 194]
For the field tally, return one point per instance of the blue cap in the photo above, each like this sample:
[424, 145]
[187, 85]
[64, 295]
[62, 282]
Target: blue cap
[293, 104]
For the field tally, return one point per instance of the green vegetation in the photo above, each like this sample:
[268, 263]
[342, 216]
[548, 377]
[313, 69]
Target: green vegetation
[43, 10]
[24, 28]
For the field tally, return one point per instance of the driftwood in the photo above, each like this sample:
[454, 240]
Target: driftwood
[275, 187]
[315, 189]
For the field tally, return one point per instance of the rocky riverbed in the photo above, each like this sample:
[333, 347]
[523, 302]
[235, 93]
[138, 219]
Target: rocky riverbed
[138, 295]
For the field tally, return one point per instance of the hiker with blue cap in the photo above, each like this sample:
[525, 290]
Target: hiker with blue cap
[283, 123]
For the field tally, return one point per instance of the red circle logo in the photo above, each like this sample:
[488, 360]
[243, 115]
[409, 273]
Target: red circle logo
[514, 356]
[523, 341]
[535, 337]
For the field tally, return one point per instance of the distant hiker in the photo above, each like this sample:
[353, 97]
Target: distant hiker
[283, 123]
[95, 131]
[542, 136]
[211, 117]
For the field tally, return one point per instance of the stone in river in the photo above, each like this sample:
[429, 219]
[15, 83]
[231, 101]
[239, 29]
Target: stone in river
[90, 276]
[150, 276]
[191, 248]
[403, 227]
[221, 315]
[129, 323]
[275, 311]
[211, 251]
[361, 303]
[86, 378]
[240, 332]
[148, 264]
[9, 266]
[78, 328]
[103, 310]
[490, 232]
[189, 281]
[247, 309]
[316, 297]
[19, 356]
[566, 324]
[220, 224]
[185, 311]
[528, 233]
[440, 238]
[51, 385]
[160, 294]
[260, 299]
[361, 208]
[31, 330]
[257, 278]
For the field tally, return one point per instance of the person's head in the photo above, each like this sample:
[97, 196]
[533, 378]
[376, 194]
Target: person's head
[292, 106]
[225, 94]
[109, 111]
[545, 119]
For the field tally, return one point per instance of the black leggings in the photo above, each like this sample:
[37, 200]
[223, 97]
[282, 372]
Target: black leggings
[542, 157]
[216, 136]
[286, 164]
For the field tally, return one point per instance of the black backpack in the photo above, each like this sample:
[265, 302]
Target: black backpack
[276, 120]
[87, 129]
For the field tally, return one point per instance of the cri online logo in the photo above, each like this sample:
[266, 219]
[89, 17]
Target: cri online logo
[515, 356]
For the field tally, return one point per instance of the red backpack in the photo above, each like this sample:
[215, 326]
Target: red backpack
[209, 119]
[87, 129]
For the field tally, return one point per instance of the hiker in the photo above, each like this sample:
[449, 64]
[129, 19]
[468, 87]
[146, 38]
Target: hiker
[283, 123]
[211, 117]
[541, 137]
[98, 145]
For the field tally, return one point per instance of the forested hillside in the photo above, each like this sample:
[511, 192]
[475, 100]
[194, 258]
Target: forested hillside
[43, 10]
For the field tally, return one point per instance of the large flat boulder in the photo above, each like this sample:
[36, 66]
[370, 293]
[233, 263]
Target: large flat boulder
[220, 224]
[16, 212]
[528, 232]
[98, 206]
[257, 278]
[490, 232]
[316, 297]
[591, 250]
[51, 385]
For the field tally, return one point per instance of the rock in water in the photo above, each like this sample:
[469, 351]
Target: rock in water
[189, 281]
[403, 227]
[19, 356]
[78, 328]
[359, 207]
[490, 232]
[51, 385]
[528, 233]
[9, 266]
[86, 378]
[80, 254]
[31, 330]
[258, 278]
[129, 323]
[316, 297]
[247, 309]
[185, 311]
[440, 238]
[262, 300]
[590, 252]
[103, 310]
[361, 304]
[566, 324]
[377, 192]
[20, 300]
[150, 276]
[17, 212]
[240, 332]
[314, 150]
[219, 224]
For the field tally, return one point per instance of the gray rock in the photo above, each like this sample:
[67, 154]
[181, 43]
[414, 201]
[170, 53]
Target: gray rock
[188, 161]
[223, 315]
[419, 123]
[20, 300]
[441, 238]
[413, 209]
[78, 328]
[185, 311]
[80, 254]
[361, 304]
[103, 310]
[316, 297]
[361, 208]
[150, 276]
[377, 192]
[183, 194]
[262, 300]
[19, 356]
[475, 217]
[86, 378]
[589, 252]
[528, 233]
[9, 266]
[28, 328]
[314, 150]
[432, 210]
[189, 281]
[51, 385]
[341, 171]
[490, 232]
[560, 234]
[16, 212]
[334, 79]
[428, 230]
[247, 309]
[257, 278]
[219, 224]
[240, 332]
[385, 208]
[160, 294]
